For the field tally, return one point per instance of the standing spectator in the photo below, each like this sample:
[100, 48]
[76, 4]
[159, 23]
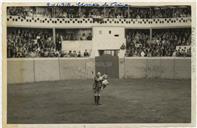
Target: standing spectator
[58, 42]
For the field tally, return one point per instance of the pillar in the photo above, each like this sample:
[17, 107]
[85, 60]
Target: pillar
[151, 34]
[54, 35]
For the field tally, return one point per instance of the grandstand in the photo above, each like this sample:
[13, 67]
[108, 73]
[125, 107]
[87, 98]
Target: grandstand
[121, 32]
[53, 45]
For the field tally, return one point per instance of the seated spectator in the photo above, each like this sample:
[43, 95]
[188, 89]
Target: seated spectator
[89, 36]
[174, 54]
[142, 53]
[74, 54]
[86, 54]
[79, 54]
[83, 37]
[70, 54]
[188, 54]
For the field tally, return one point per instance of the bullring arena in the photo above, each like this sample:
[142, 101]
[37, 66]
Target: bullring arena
[53, 54]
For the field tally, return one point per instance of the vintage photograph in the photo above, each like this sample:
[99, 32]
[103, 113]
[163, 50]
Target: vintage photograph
[99, 63]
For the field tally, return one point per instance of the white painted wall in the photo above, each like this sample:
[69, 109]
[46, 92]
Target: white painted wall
[103, 40]
[77, 45]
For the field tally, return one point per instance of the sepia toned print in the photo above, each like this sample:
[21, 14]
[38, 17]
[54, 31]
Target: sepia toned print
[99, 64]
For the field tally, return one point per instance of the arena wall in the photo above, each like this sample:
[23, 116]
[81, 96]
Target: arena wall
[46, 70]
[72, 69]
[182, 69]
[135, 68]
[121, 68]
[90, 68]
[20, 70]
[50, 69]
[165, 67]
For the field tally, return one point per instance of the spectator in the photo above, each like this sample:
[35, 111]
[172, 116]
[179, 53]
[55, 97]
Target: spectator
[89, 36]
[174, 53]
[83, 37]
[75, 54]
[79, 54]
[142, 53]
[58, 42]
[86, 54]
[70, 54]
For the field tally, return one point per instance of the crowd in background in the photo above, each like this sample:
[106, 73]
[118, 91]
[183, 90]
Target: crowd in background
[102, 12]
[37, 43]
[163, 42]
[75, 34]
[23, 42]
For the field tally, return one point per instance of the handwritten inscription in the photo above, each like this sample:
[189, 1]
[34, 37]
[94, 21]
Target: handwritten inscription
[83, 4]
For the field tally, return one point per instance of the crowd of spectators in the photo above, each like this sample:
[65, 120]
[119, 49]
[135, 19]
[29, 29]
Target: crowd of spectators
[102, 12]
[163, 42]
[23, 42]
[182, 51]
[75, 34]
[74, 53]
[36, 43]
[17, 11]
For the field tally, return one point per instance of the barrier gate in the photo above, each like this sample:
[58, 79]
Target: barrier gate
[107, 64]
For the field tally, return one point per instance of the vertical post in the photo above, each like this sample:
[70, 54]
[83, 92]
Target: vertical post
[34, 11]
[128, 12]
[79, 11]
[54, 36]
[104, 12]
[151, 34]
[52, 12]
[115, 12]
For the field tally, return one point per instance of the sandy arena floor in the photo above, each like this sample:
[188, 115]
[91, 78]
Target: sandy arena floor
[124, 101]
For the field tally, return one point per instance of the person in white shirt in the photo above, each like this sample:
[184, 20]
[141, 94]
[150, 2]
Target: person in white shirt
[142, 53]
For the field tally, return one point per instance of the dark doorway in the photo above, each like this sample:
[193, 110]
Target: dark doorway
[107, 64]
